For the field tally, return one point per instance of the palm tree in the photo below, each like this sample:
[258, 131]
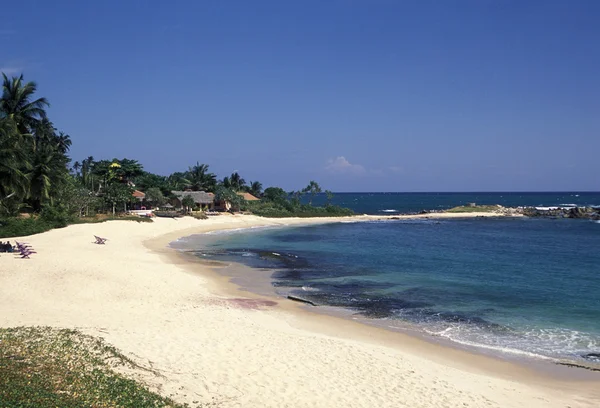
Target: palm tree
[255, 188]
[226, 183]
[63, 142]
[44, 133]
[201, 179]
[16, 103]
[313, 188]
[76, 167]
[41, 176]
[178, 181]
[13, 160]
[237, 183]
[87, 165]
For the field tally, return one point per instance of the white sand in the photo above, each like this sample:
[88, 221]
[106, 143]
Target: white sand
[205, 347]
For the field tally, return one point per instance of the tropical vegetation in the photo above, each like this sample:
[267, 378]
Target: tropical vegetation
[39, 180]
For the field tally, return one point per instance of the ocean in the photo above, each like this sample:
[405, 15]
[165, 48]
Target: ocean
[406, 203]
[513, 286]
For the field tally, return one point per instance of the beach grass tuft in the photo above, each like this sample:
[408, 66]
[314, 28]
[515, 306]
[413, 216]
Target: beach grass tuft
[45, 367]
[473, 209]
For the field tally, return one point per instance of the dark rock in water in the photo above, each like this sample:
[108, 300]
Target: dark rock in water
[299, 299]
[592, 356]
[424, 212]
[578, 366]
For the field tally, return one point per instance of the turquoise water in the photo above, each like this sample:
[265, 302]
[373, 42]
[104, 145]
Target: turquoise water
[518, 286]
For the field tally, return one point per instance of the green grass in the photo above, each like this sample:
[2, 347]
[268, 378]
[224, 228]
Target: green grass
[42, 367]
[469, 209]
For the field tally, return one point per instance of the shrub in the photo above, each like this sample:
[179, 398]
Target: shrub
[56, 216]
[199, 215]
[20, 227]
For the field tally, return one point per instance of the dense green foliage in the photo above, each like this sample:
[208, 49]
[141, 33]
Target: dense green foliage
[48, 368]
[229, 195]
[188, 203]
[20, 227]
[277, 203]
[33, 153]
[272, 210]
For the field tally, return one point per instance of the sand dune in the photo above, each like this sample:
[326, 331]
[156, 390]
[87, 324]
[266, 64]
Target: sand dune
[204, 342]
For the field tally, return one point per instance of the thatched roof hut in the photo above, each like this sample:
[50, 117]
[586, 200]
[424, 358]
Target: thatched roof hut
[248, 196]
[199, 197]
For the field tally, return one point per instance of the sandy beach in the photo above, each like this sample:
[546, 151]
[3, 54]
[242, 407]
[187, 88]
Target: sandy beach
[205, 342]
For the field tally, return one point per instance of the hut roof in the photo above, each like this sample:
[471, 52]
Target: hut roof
[200, 197]
[248, 196]
[138, 194]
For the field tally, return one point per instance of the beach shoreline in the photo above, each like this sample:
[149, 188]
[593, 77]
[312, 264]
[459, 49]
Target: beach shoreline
[231, 278]
[215, 343]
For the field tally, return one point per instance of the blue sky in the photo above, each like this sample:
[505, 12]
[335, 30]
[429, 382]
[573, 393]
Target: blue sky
[375, 95]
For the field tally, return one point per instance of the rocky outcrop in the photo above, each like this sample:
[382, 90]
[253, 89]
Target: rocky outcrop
[590, 213]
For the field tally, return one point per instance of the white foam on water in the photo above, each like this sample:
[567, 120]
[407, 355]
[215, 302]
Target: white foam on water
[389, 211]
[449, 335]
[547, 344]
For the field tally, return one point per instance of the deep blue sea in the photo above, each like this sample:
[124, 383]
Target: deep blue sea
[523, 287]
[382, 203]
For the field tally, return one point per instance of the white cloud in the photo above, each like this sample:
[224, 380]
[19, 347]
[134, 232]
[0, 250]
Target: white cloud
[340, 165]
[396, 169]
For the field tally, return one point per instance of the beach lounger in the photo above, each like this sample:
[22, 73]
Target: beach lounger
[100, 240]
[25, 253]
[24, 249]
